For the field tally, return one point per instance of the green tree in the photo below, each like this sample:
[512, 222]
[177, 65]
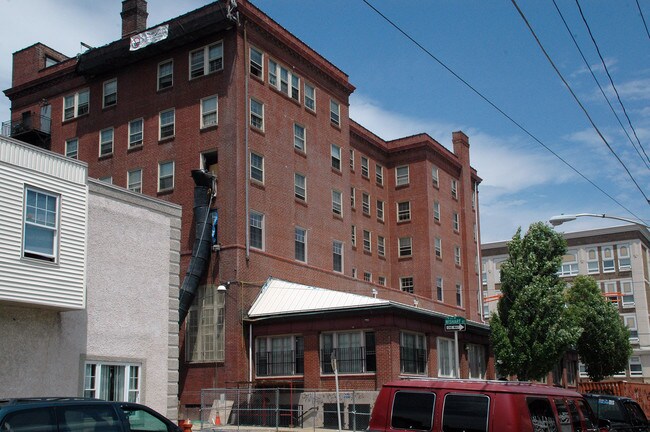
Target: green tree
[531, 330]
[604, 344]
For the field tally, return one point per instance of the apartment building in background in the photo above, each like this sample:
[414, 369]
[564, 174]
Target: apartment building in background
[619, 259]
[300, 199]
[88, 284]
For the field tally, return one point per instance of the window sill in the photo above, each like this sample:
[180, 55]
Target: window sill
[209, 128]
[257, 130]
[165, 192]
[337, 216]
[134, 148]
[165, 89]
[404, 186]
[299, 152]
[337, 171]
[105, 157]
[404, 222]
[72, 119]
[405, 258]
[367, 253]
[301, 202]
[284, 95]
[110, 107]
[166, 139]
[257, 184]
[336, 126]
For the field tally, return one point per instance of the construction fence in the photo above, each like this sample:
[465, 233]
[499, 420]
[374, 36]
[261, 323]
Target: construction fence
[282, 408]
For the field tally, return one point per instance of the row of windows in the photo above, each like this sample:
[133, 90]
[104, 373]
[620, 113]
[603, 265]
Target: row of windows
[355, 352]
[635, 368]
[134, 178]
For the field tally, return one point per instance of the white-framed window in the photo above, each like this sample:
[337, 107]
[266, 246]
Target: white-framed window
[167, 121]
[405, 247]
[257, 167]
[107, 179]
[367, 241]
[337, 256]
[582, 370]
[624, 261]
[380, 210]
[205, 330]
[351, 160]
[630, 323]
[336, 157]
[76, 104]
[435, 176]
[165, 74]
[206, 60]
[636, 367]
[456, 221]
[284, 80]
[106, 141]
[134, 180]
[381, 246]
[569, 266]
[353, 197]
[256, 229]
[627, 293]
[404, 211]
[365, 170]
[337, 199]
[413, 353]
[610, 290]
[41, 225]
[593, 264]
[608, 259]
[446, 358]
[209, 111]
[381, 280]
[300, 244]
[379, 174]
[110, 93]
[406, 284]
[299, 137]
[365, 203]
[457, 255]
[257, 114]
[136, 132]
[165, 176]
[354, 351]
[353, 235]
[459, 295]
[476, 360]
[454, 188]
[436, 211]
[437, 246]
[367, 276]
[335, 112]
[310, 97]
[112, 381]
[72, 148]
[439, 291]
[256, 63]
[300, 186]
[279, 356]
[402, 175]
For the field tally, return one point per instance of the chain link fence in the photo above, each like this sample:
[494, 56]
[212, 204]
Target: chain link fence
[282, 408]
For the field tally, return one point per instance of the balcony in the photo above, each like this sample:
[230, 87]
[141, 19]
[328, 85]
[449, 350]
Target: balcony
[32, 129]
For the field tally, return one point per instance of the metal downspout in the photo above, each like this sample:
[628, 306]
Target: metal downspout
[478, 257]
[246, 121]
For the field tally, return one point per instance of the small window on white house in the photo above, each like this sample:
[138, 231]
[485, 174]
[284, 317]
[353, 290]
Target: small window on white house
[167, 120]
[41, 225]
[112, 382]
[110, 93]
[593, 265]
[134, 180]
[72, 148]
[165, 176]
[608, 259]
[627, 293]
[209, 114]
[136, 133]
[624, 262]
[402, 175]
[165, 74]
[206, 60]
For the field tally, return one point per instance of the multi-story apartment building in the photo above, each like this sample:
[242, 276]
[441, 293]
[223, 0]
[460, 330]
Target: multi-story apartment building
[297, 193]
[77, 258]
[619, 259]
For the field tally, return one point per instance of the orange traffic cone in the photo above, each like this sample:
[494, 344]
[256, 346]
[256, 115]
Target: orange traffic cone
[217, 420]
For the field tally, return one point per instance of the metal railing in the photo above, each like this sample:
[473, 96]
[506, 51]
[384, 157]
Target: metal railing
[283, 408]
[26, 124]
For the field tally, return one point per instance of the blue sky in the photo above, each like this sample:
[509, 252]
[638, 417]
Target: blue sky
[401, 90]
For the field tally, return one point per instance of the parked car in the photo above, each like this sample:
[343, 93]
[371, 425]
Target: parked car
[480, 406]
[71, 414]
[623, 413]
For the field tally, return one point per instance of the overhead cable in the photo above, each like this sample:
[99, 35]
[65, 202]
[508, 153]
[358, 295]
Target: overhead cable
[643, 19]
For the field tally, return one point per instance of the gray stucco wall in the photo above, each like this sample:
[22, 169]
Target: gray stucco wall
[132, 307]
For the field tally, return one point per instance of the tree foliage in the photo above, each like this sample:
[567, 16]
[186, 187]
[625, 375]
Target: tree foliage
[531, 330]
[604, 345]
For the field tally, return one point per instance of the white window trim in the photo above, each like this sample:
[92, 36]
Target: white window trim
[161, 125]
[451, 356]
[407, 248]
[53, 257]
[335, 157]
[290, 80]
[304, 242]
[101, 142]
[210, 113]
[158, 77]
[312, 109]
[402, 284]
[129, 185]
[252, 63]
[67, 150]
[206, 60]
[402, 179]
[257, 116]
[94, 391]
[340, 245]
[141, 141]
[300, 188]
[337, 203]
[298, 139]
[173, 175]
[250, 174]
[75, 104]
[105, 95]
[261, 228]
[335, 114]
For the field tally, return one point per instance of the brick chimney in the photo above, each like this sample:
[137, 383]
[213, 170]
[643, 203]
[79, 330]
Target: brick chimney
[134, 17]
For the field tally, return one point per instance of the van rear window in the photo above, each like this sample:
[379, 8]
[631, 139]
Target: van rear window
[413, 410]
[30, 420]
[463, 412]
[541, 415]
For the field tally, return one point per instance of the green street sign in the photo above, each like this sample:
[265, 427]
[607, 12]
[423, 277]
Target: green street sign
[455, 324]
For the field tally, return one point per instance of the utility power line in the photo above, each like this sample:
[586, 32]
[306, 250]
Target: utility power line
[645, 25]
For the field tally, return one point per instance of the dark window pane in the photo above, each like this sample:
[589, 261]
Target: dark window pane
[468, 413]
[413, 410]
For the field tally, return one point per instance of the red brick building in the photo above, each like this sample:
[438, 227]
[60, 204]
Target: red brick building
[304, 195]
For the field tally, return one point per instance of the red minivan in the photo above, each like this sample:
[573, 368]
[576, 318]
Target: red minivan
[442, 405]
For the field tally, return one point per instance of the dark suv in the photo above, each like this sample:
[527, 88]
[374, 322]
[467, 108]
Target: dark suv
[624, 414]
[69, 414]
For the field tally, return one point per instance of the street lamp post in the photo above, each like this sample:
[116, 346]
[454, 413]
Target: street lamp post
[559, 220]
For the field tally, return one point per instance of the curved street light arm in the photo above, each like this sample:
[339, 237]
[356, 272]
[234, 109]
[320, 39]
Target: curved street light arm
[559, 220]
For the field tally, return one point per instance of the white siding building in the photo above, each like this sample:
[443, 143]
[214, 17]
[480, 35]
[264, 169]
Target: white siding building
[88, 284]
[619, 259]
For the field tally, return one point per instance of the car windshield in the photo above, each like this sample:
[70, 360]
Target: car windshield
[608, 409]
